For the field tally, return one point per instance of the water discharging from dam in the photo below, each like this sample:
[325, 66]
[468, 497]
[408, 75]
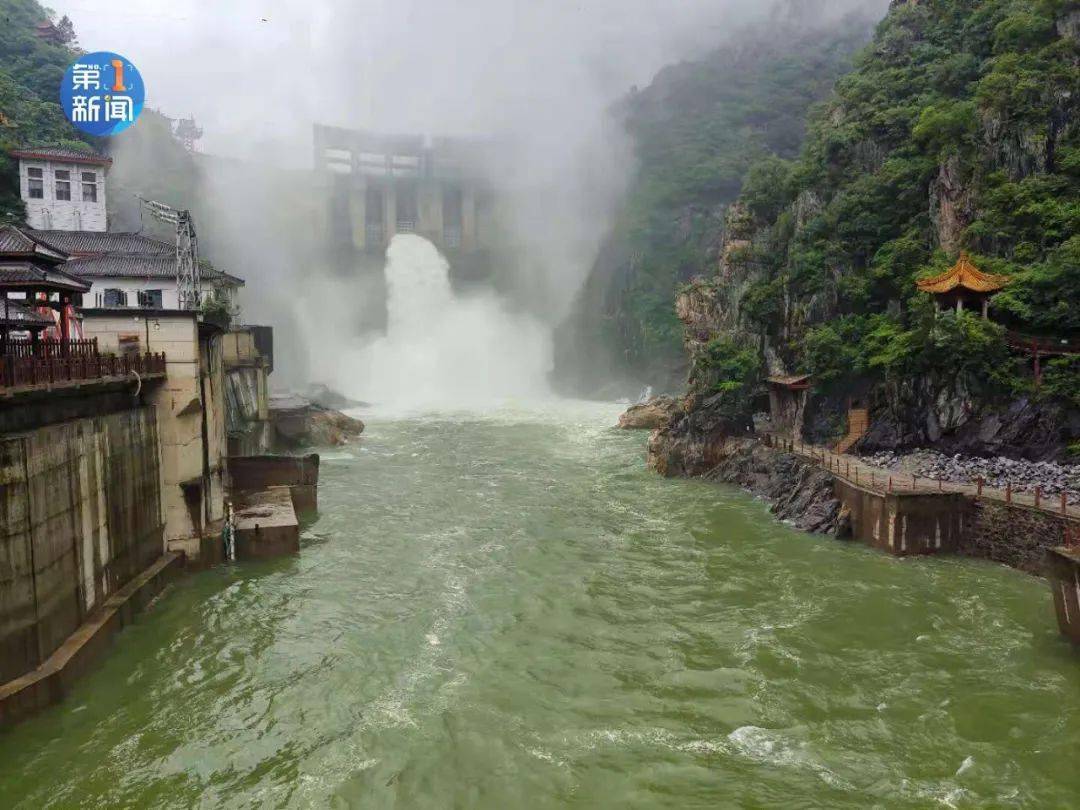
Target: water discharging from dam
[444, 350]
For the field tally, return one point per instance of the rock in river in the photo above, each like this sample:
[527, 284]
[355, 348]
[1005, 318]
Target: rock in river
[298, 422]
[649, 415]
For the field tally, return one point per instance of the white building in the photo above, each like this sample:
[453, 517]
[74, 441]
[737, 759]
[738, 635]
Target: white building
[63, 189]
[129, 270]
[64, 193]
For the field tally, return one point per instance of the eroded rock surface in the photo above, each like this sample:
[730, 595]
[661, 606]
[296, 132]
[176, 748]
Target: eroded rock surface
[649, 415]
[299, 422]
[800, 493]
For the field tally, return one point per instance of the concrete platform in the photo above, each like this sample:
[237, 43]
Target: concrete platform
[1063, 572]
[266, 524]
[50, 682]
[299, 473]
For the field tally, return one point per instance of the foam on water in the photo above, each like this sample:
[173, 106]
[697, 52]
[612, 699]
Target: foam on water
[443, 350]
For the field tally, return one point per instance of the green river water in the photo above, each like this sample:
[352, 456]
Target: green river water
[509, 611]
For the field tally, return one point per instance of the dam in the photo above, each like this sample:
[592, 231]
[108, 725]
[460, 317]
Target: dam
[374, 186]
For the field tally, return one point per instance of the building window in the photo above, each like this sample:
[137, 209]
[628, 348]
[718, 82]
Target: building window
[89, 187]
[37, 183]
[150, 299]
[115, 298]
[63, 184]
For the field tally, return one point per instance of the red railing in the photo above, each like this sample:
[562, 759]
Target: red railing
[1042, 345]
[46, 348]
[853, 470]
[21, 372]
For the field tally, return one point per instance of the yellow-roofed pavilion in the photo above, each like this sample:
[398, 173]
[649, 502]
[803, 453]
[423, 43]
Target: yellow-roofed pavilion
[962, 285]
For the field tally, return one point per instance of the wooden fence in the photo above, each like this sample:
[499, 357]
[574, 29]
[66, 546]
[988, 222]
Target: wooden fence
[22, 372]
[49, 348]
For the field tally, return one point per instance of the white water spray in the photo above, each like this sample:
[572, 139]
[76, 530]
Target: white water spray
[441, 350]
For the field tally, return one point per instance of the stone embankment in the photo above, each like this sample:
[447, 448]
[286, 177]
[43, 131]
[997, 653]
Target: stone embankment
[997, 473]
[801, 493]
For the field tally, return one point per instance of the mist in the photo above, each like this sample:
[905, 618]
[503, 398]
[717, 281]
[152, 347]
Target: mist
[537, 77]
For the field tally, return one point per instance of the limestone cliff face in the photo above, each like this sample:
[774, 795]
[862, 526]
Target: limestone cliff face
[948, 417]
[951, 205]
[898, 176]
[697, 128]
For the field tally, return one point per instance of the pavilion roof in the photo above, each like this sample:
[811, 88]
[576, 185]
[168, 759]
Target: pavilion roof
[17, 243]
[16, 274]
[963, 274]
[19, 316]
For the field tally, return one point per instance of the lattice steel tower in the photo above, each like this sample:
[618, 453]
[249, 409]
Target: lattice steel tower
[188, 281]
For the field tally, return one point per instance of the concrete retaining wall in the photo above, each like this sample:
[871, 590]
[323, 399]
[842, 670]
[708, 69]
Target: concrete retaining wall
[299, 473]
[904, 523]
[80, 515]
[1015, 535]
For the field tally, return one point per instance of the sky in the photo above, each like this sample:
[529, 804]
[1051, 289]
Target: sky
[259, 73]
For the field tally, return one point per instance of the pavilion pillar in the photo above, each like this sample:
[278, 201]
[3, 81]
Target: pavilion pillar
[986, 309]
[65, 324]
[959, 304]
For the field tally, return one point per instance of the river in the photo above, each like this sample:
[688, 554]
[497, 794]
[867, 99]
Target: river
[508, 611]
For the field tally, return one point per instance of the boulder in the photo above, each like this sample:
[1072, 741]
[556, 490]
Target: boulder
[327, 397]
[298, 422]
[649, 415]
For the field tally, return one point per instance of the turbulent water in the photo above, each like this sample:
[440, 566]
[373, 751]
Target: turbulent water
[441, 348]
[509, 611]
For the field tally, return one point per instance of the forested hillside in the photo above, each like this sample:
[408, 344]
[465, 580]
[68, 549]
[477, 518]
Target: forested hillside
[30, 73]
[957, 129]
[697, 130]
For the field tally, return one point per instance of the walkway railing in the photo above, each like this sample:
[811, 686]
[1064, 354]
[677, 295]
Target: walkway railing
[853, 470]
[46, 347]
[1042, 345]
[24, 372]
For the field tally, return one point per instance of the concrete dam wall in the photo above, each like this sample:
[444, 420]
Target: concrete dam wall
[80, 516]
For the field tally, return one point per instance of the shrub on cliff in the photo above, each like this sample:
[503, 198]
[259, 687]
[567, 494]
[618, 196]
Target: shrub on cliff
[943, 347]
[958, 128]
[730, 372]
[1061, 381]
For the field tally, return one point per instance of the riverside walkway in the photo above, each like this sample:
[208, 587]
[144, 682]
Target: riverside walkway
[878, 479]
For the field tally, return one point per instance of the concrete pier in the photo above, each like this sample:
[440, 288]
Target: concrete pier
[270, 494]
[299, 473]
[266, 524]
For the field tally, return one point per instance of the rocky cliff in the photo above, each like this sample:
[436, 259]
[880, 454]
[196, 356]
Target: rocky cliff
[800, 493]
[697, 128]
[956, 129]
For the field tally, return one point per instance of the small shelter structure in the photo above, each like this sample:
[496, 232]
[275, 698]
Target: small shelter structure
[788, 395]
[30, 270]
[962, 285]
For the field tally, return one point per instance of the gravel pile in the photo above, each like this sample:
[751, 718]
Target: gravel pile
[996, 472]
